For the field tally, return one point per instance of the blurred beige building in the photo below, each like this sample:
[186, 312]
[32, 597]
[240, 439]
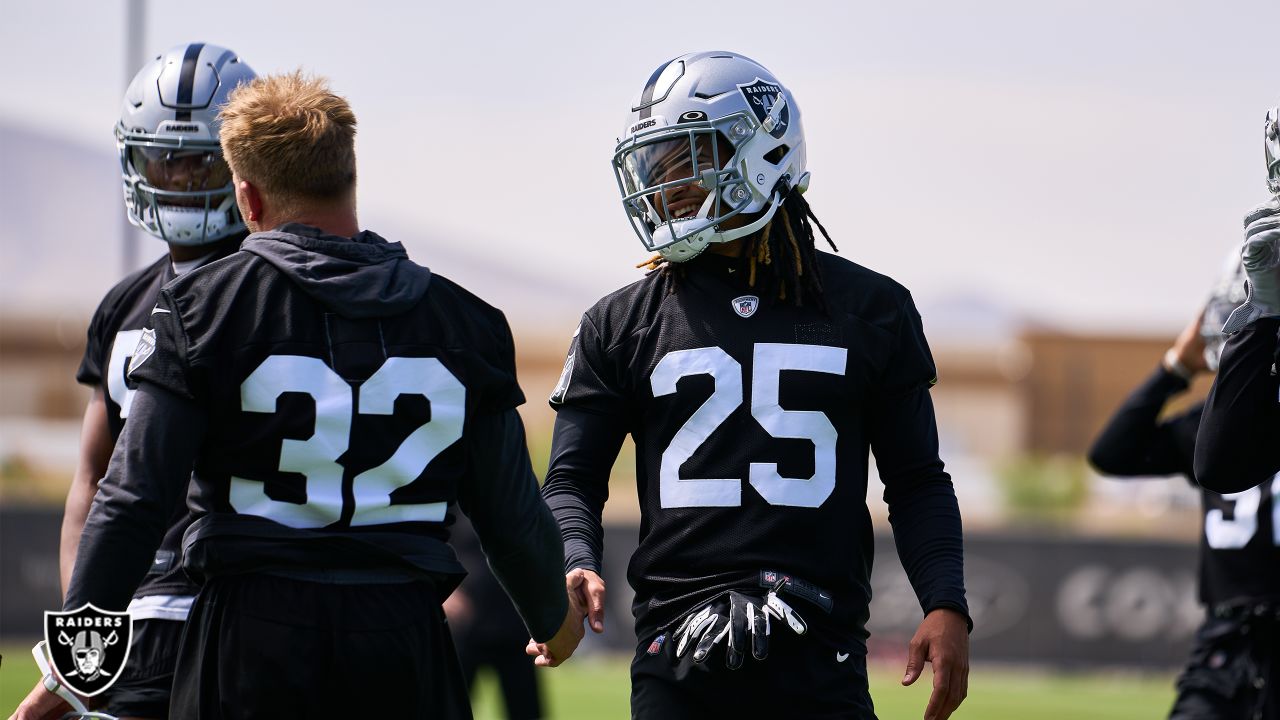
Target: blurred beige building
[1042, 393]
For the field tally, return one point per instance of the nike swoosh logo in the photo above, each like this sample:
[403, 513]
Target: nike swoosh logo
[159, 310]
[841, 657]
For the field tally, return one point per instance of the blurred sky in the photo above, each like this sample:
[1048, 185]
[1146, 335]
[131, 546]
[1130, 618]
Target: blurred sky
[1081, 164]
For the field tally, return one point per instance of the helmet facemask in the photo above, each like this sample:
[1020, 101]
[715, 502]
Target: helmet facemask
[660, 170]
[181, 192]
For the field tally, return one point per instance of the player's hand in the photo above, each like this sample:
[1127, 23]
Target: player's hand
[1261, 256]
[746, 622]
[589, 588]
[559, 648]
[942, 640]
[1188, 349]
[40, 704]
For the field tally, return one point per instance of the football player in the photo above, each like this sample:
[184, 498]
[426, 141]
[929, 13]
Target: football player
[333, 398]
[177, 188]
[754, 374]
[1230, 673]
[1236, 448]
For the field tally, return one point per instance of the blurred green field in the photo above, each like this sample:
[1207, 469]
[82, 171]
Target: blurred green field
[592, 688]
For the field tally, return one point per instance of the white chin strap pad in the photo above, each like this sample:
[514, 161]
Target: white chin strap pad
[692, 246]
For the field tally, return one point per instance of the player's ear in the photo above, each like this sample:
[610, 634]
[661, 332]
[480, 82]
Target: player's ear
[249, 200]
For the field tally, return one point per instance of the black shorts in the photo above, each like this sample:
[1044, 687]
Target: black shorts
[1232, 672]
[147, 678]
[260, 646]
[803, 676]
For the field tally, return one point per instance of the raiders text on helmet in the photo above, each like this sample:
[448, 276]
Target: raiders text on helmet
[716, 122]
[176, 184]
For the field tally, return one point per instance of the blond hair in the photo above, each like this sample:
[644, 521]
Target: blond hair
[292, 137]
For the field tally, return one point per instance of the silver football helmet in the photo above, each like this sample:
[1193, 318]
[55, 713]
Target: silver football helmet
[176, 184]
[1229, 292]
[1271, 145]
[712, 135]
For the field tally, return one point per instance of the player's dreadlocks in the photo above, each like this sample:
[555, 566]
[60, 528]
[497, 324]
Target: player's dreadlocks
[781, 259]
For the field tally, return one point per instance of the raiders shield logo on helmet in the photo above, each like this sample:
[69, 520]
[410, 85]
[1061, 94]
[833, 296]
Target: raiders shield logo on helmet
[746, 305]
[88, 647]
[769, 104]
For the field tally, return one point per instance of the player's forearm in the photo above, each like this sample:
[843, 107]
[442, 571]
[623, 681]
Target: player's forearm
[1134, 441]
[79, 500]
[1235, 447]
[96, 445]
[583, 450]
[922, 501]
[533, 578]
[145, 480]
[929, 536]
[515, 528]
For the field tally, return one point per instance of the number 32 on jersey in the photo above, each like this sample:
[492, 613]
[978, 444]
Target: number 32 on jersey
[768, 362]
[316, 458]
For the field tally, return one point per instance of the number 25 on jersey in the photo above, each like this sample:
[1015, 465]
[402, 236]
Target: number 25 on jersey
[768, 362]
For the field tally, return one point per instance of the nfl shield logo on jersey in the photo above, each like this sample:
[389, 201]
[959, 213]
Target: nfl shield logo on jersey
[746, 305]
[88, 647]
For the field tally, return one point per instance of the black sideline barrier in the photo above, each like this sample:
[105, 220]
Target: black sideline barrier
[1049, 600]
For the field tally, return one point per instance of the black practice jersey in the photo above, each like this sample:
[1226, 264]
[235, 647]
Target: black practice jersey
[1237, 441]
[332, 440]
[1240, 541]
[114, 331]
[752, 422]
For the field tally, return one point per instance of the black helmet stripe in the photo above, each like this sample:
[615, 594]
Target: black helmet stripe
[646, 97]
[187, 81]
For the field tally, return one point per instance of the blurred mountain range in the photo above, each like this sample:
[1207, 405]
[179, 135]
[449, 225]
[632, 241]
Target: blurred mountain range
[62, 240]
[63, 234]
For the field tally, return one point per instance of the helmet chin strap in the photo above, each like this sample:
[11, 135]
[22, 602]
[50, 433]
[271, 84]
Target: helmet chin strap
[725, 236]
[745, 230]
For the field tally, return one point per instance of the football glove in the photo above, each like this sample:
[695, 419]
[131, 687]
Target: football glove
[745, 621]
[1261, 256]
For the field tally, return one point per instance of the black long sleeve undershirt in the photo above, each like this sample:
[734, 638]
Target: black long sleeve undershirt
[922, 503]
[1237, 448]
[1135, 442]
[583, 450]
[145, 481]
[516, 530]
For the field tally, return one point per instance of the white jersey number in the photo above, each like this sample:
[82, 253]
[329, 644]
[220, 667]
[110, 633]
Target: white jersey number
[1232, 534]
[768, 362]
[118, 390]
[316, 458]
